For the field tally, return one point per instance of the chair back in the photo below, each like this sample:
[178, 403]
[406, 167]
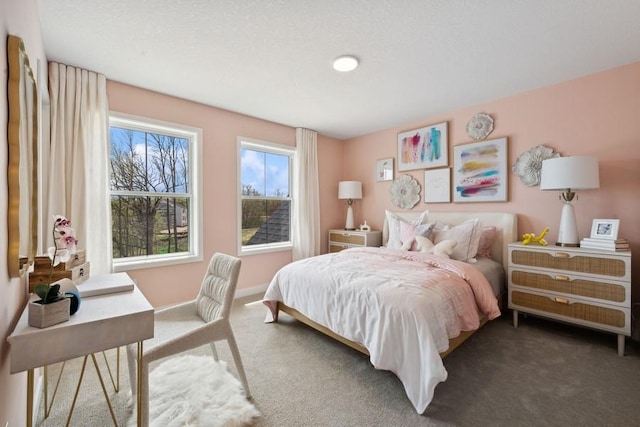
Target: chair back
[218, 287]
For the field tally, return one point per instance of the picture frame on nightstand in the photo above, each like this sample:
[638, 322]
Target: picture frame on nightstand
[605, 229]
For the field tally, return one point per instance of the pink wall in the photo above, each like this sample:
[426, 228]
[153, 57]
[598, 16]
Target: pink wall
[19, 18]
[167, 285]
[597, 115]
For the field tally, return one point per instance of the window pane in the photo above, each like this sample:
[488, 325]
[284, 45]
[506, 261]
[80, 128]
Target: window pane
[265, 221]
[146, 161]
[277, 175]
[149, 225]
[252, 173]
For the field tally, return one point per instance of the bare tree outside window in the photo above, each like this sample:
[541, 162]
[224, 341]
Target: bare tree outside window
[150, 192]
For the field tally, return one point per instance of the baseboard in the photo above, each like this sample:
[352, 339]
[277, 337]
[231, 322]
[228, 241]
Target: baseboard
[250, 292]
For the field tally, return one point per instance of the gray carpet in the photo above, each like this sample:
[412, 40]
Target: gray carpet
[540, 374]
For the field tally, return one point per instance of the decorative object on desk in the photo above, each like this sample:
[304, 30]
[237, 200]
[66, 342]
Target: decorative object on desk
[423, 148]
[384, 170]
[480, 171]
[605, 229]
[529, 163]
[532, 238]
[568, 174]
[437, 186]
[53, 307]
[350, 190]
[480, 126]
[365, 226]
[197, 390]
[405, 192]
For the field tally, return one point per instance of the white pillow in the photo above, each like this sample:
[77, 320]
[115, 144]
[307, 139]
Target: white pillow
[402, 231]
[467, 234]
[444, 248]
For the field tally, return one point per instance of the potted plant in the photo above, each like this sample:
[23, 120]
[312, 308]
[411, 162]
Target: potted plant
[54, 306]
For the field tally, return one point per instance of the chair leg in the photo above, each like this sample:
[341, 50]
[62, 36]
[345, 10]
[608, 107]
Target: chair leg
[214, 351]
[236, 358]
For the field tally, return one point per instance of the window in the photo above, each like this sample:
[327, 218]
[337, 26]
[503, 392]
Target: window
[154, 185]
[265, 200]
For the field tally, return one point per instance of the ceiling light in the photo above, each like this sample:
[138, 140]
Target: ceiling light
[345, 63]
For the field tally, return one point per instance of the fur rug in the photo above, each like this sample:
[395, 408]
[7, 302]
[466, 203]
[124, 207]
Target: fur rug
[197, 391]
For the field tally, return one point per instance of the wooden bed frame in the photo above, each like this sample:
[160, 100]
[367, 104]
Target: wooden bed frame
[506, 227]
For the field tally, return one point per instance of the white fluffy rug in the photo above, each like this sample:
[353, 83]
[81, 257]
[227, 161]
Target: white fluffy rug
[197, 391]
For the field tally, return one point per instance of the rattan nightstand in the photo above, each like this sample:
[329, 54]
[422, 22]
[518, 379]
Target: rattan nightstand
[585, 287]
[343, 239]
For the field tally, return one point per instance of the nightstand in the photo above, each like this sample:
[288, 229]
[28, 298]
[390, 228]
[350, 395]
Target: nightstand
[343, 239]
[586, 287]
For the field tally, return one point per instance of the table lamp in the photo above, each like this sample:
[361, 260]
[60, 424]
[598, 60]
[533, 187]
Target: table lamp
[569, 174]
[350, 190]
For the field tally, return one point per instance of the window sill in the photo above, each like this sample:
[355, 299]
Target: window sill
[245, 251]
[136, 263]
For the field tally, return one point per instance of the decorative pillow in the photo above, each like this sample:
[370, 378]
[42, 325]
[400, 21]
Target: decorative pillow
[444, 248]
[402, 231]
[487, 237]
[467, 234]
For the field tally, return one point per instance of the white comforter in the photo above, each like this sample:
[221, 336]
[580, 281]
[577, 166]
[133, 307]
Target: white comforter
[402, 306]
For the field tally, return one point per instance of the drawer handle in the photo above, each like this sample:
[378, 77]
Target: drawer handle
[561, 300]
[561, 277]
[561, 255]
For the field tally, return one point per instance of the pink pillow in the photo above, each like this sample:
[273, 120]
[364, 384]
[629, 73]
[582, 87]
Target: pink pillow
[487, 238]
[402, 231]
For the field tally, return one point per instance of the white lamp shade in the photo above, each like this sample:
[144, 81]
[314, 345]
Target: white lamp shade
[575, 173]
[350, 190]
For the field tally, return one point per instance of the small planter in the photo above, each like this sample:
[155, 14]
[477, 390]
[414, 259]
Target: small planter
[45, 315]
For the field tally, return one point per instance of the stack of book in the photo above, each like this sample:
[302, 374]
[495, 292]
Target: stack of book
[605, 244]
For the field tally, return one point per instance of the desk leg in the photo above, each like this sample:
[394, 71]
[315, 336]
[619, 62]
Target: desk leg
[30, 398]
[139, 381]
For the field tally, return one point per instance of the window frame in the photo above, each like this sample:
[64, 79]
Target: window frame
[194, 136]
[272, 148]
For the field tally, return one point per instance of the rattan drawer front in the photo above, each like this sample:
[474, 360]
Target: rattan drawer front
[353, 239]
[577, 310]
[338, 248]
[579, 263]
[570, 285]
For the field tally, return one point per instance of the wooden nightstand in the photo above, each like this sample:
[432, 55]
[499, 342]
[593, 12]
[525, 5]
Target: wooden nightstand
[343, 239]
[586, 287]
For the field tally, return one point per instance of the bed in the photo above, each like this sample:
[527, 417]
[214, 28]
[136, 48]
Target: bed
[405, 309]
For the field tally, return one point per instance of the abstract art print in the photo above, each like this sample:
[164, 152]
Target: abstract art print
[480, 171]
[423, 148]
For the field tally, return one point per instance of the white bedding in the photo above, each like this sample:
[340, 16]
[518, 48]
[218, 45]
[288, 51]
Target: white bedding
[402, 306]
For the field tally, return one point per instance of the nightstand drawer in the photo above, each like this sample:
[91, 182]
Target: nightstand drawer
[610, 291]
[348, 238]
[613, 319]
[569, 260]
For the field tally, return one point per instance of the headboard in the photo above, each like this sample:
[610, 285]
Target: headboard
[506, 228]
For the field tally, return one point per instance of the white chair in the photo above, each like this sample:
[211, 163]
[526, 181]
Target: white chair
[192, 324]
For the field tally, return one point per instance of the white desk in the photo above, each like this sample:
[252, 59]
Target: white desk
[102, 322]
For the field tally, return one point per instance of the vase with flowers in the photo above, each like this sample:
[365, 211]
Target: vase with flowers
[54, 306]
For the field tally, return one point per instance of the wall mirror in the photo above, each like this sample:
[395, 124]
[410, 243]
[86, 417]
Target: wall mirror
[22, 210]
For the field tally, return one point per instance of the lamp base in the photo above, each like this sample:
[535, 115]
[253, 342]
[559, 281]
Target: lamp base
[568, 231]
[350, 224]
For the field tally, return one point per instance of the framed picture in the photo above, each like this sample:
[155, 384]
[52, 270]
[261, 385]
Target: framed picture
[605, 229]
[384, 170]
[423, 148]
[480, 171]
[437, 186]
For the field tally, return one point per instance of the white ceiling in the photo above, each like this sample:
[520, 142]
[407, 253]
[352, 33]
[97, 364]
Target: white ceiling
[272, 58]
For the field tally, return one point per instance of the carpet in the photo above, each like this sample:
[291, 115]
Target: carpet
[197, 391]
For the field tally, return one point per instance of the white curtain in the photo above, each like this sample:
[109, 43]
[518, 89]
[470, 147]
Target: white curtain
[306, 208]
[78, 170]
